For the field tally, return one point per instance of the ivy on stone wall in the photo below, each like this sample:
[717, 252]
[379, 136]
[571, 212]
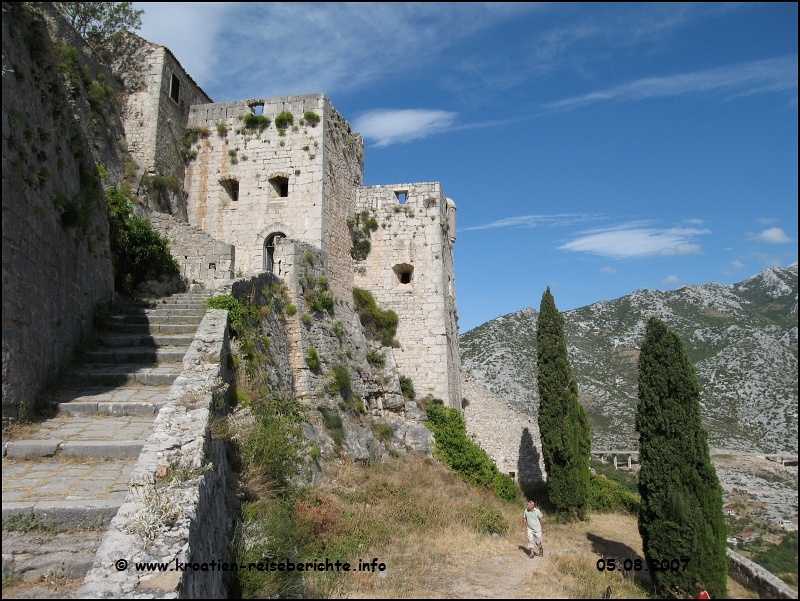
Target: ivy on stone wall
[378, 324]
[361, 226]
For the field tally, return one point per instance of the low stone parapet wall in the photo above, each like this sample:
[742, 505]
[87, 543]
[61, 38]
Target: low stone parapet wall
[178, 505]
[755, 578]
[201, 257]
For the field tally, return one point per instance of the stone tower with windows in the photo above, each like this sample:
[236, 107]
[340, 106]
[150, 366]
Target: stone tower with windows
[259, 186]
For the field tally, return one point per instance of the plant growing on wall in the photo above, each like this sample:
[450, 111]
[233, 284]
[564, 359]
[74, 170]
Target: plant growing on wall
[283, 120]
[222, 129]
[311, 118]
[256, 122]
[190, 137]
[378, 324]
[361, 226]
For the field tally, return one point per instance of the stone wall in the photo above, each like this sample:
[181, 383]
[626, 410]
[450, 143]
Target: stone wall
[509, 437]
[755, 578]
[56, 256]
[251, 160]
[344, 170]
[181, 436]
[201, 257]
[155, 123]
[414, 238]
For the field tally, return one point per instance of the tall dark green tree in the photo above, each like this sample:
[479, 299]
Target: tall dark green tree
[563, 424]
[680, 514]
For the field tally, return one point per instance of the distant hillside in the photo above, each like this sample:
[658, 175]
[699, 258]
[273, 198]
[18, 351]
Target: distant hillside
[742, 339]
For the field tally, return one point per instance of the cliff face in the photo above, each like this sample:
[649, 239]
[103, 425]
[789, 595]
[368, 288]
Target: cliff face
[742, 339]
[60, 146]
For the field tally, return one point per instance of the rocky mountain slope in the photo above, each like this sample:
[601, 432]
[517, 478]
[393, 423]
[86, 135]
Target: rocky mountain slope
[742, 339]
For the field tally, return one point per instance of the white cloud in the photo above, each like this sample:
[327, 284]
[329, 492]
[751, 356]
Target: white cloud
[738, 265]
[188, 30]
[766, 220]
[608, 269]
[670, 279]
[631, 240]
[278, 48]
[758, 76]
[773, 235]
[770, 260]
[537, 221]
[387, 126]
[681, 249]
[694, 221]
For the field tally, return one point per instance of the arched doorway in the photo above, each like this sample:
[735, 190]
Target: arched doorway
[269, 253]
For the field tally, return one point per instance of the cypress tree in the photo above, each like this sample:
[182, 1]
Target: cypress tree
[563, 424]
[680, 515]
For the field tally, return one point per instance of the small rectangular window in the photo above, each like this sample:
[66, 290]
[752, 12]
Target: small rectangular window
[175, 88]
[401, 197]
[281, 185]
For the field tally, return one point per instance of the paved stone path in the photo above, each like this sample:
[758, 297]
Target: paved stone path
[71, 471]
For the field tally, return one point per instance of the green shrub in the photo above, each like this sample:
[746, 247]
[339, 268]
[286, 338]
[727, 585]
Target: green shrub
[259, 122]
[138, 253]
[342, 381]
[306, 319]
[489, 521]
[361, 226]
[338, 329]
[312, 359]
[376, 358]
[291, 310]
[464, 403]
[407, 387]
[242, 321]
[463, 456]
[360, 249]
[274, 445]
[607, 495]
[382, 431]
[332, 422]
[378, 325]
[284, 120]
[222, 129]
[311, 118]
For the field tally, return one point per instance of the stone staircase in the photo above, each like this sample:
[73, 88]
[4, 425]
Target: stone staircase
[70, 471]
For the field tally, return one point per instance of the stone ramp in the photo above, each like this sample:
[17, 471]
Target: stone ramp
[65, 479]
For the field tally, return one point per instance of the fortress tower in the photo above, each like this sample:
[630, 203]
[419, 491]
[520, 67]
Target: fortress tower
[258, 187]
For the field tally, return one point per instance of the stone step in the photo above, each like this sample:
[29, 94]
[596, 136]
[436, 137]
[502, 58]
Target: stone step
[132, 399]
[78, 514]
[111, 449]
[125, 373]
[159, 319]
[178, 298]
[146, 340]
[119, 408]
[181, 309]
[136, 354]
[152, 328]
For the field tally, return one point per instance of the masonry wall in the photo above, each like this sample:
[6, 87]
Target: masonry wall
[55, 268]
[344, 171]
[154, 122]
[509, 437]
[201, 257]
[416, 236]
[251, 158]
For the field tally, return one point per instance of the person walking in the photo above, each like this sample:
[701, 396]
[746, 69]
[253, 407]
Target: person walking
[533, 523]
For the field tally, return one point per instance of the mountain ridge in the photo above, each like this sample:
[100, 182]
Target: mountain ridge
[742, 339]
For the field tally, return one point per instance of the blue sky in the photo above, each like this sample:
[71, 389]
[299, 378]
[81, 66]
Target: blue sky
[595, 149]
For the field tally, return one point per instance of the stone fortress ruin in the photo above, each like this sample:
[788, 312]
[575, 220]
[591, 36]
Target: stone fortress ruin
[253, 197]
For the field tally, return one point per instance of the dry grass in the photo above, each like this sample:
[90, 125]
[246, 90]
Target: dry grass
[419, 519]
[412, 514]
